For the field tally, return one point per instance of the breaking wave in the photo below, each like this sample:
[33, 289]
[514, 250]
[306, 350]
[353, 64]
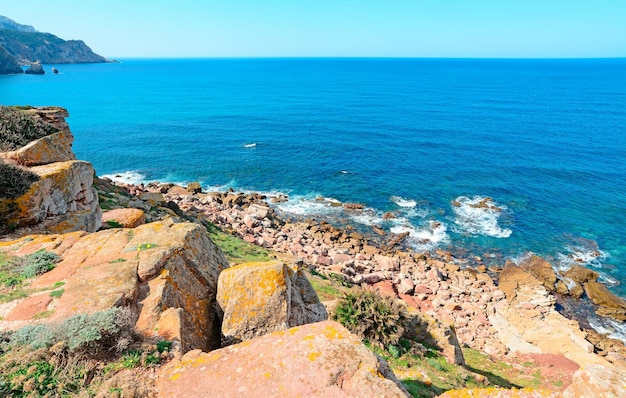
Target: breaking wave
[479, 216]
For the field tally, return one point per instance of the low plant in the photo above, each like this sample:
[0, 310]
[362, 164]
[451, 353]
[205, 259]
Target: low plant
[368, 314]
[39, 263]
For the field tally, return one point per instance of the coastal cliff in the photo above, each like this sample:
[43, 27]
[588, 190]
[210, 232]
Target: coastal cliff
[23, 46]
[174, 292]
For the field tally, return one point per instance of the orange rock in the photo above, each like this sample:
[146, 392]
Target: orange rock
[316, 360]
[126, 218]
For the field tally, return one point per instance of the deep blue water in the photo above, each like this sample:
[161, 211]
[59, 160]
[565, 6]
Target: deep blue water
[546, 139]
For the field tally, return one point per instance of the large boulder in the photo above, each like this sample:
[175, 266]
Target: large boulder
[608, 304]
[166, 272]
[263, 297]
[35, 69]
[316, 360]
[541, 269]
[597, 381]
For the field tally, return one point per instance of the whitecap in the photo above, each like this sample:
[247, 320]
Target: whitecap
[127, 177]
[306, 205]
[610, 327]
[426, 238]
[251, 145]
[403, 202]
[479, 216]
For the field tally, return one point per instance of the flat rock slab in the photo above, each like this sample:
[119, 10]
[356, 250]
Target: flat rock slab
[316, 360]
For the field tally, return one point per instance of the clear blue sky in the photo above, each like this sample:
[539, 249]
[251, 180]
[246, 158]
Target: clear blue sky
[346, 28]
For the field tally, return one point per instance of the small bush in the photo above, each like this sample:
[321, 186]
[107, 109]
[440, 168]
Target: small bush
[39, 263]
[18, 128]
[14, 182]
[379, 319]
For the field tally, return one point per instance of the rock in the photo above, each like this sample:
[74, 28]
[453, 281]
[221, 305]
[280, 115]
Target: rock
[125, 218]
[259, 211]
[260, 298]
[580, 274]
[317, 360]
[609, 304]
[513, 277]
[8, 63]
[35, 69]
[389, 216]
[386, 263]
[62, 200]
[434, 333]
[194, 187]
[541, 269]
[166, 271]
[353, 206]
[597, 381]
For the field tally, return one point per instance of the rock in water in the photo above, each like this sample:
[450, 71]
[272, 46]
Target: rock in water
[609, 304]
[55, 70]
[317, 360]
[35, 69]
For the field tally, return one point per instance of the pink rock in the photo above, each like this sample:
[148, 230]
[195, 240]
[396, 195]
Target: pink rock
[422, 289]
[317, 360]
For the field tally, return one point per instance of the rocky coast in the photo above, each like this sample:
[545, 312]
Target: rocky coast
[198, 321]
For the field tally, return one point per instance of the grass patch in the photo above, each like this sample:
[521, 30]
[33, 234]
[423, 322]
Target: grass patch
[236, 250]
[57, 293]
[117, 260]
[43, 314]
[146, 246]
[114, 224]
[15, 271]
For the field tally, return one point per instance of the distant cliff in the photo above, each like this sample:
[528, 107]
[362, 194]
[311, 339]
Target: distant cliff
[22, 44]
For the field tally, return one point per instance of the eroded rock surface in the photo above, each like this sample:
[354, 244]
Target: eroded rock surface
[316, 360]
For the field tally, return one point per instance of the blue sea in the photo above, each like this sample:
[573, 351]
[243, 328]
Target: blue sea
[426, 139]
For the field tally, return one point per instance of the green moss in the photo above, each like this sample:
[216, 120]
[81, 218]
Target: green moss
[236, 250]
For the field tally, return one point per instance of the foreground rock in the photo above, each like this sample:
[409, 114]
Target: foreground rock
[260, 298]
[597, 381]
[317, 360]
[165, 272]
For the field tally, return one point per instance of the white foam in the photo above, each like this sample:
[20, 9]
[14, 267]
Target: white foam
[474, 219]
[426, 238]
[251, 145]
[127, 177]
[309, 205]
[610, 327]
[403, 202]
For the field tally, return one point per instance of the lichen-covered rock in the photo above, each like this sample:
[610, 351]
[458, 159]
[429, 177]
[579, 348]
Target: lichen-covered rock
[435, 333]
[316, 360]
[597, 381]
[56, 147]
[167, 271]
[62, 200]
[264, 297]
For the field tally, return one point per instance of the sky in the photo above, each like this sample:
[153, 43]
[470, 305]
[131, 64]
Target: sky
[334, 28]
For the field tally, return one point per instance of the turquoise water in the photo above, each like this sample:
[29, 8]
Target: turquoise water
[546, 139]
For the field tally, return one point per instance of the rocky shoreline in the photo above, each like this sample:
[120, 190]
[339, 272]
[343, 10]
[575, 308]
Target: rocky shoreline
[496, 310]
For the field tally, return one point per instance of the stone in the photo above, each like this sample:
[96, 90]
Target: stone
[56, 147]
[316, 360]
[598, 381]
[434, 333]
[35, 69]
[263, 297]
[167, 272]
[541, 269]
[125, 218]
[62, 200]
[194, 187]
[386, 263]
[609, 304]
[353, 206]
[580, 274]
[257, 210]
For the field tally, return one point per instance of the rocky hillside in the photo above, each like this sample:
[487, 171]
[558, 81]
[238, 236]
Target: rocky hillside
[153, 298]
[21, 45]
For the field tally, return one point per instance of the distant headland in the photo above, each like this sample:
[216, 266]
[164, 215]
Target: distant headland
[23, 45]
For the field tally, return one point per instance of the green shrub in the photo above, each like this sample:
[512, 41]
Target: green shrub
[379, 319]
[14, 182]
[18, 128]
[39, 263]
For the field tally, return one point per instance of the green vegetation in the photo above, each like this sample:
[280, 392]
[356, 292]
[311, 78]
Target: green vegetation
[14, 182]
[15, 270]
[18, 128]
[57, 293]
[114, 224]
[235, 249]
[371, 316]
[146, 246]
